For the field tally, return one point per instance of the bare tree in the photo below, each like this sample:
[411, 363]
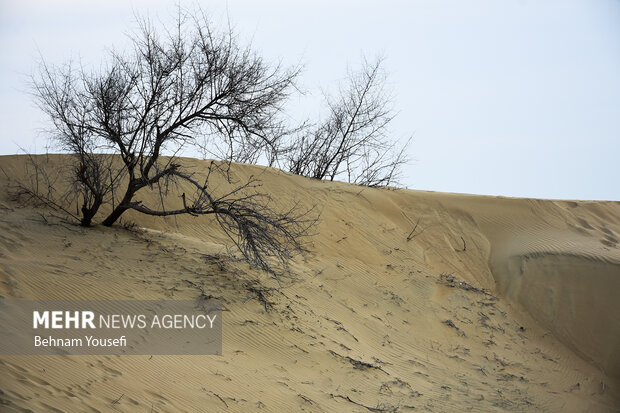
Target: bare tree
[352, 142]
[187, 86]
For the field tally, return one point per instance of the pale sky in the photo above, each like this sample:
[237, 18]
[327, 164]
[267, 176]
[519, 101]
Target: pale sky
[516, 98]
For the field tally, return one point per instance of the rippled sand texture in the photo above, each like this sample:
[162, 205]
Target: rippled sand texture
[491, 304]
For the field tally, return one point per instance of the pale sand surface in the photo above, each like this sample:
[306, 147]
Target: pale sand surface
[365, 321]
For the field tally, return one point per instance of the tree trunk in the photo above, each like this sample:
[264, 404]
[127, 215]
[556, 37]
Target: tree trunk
[116, 214]
[89, 213]
[87, 218]
[122, 206]
[86, 221]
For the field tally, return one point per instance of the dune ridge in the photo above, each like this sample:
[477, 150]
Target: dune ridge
[563, 267]
[491, 304]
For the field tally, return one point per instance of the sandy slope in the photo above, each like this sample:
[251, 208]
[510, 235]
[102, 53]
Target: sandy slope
[528, 320]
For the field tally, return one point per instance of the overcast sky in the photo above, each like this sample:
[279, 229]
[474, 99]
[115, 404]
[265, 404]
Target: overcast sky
[516, 98]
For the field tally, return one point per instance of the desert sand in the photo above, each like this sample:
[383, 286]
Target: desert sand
[491, 304]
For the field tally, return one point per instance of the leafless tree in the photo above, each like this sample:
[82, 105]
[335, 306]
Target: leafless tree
[186, 86]
[352, 143]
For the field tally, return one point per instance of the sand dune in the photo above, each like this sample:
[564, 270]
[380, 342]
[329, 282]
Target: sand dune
[561, 262]
[491, 304]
